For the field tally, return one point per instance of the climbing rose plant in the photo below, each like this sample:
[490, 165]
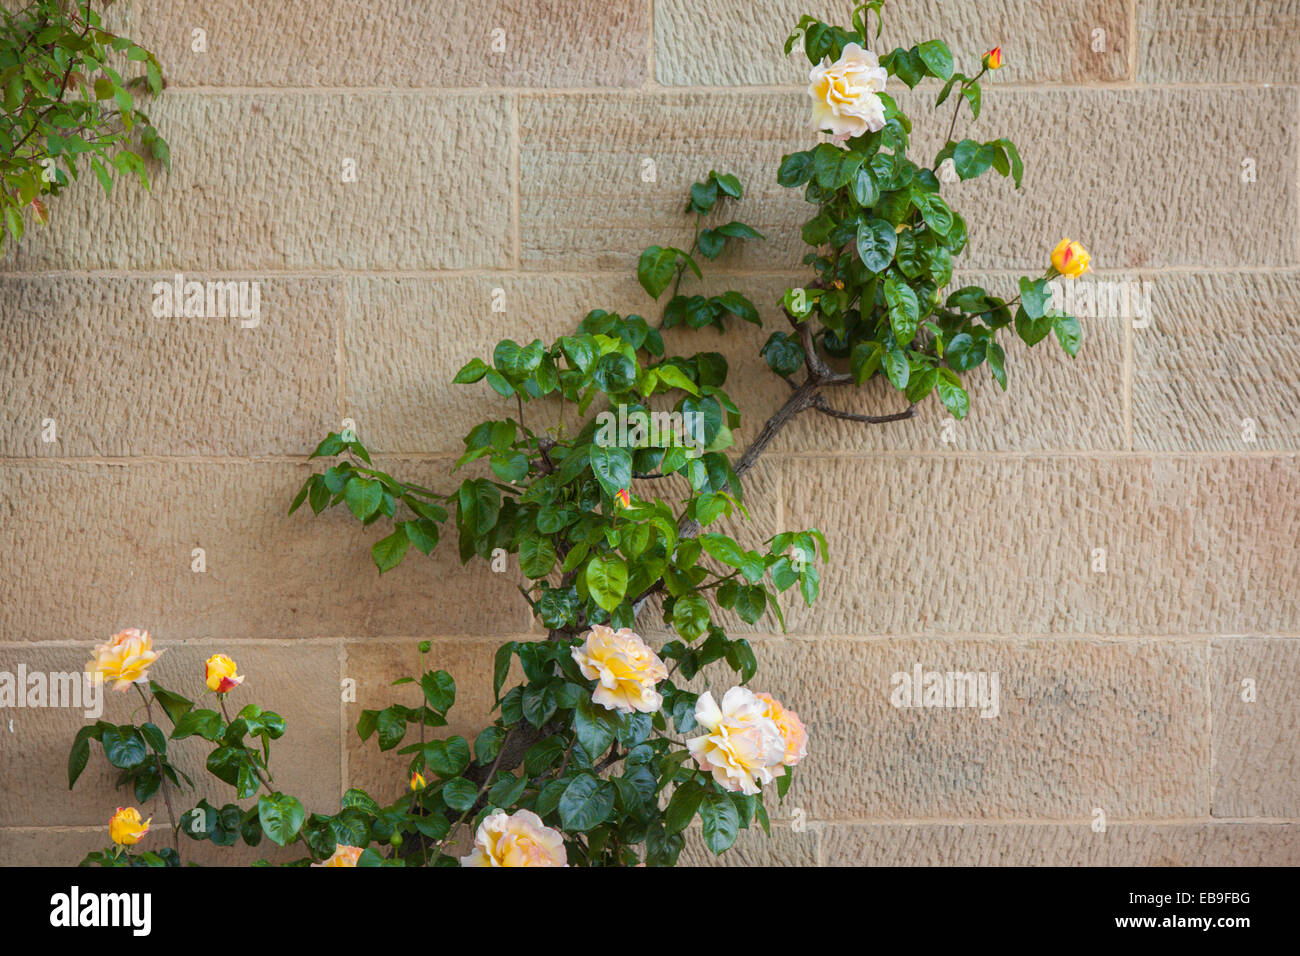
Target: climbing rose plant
[607, 748]
[67, 104]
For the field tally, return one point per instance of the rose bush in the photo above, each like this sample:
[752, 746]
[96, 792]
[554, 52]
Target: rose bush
[607, 749]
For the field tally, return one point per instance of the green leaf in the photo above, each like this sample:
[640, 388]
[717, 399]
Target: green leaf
[587, 802]
[952, 395]
[281, 817]
[877, 241]
[175, 705]
[447, 758]
[937, 58]
[1068, 333]
[606, 580]
[363, 496]
[681, 808]
[594, 725]
[1035, 296]
[896, 368]
[721, 821]
[536, 556]
[691, 615]
[655, 269]
[388, 552]
[904, 309]
[997, 363]
[439, 690]
[471, 371]
[835, 166]
[459, 794]
[784, 355]
[972, 159]
[737, 305]
[934, 211]
[612, 467]
[795, 170]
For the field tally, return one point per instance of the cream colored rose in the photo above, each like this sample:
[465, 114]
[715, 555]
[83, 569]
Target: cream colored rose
[343, 856]
[126, 658]
[518, 839]
[791, 727]
[844, 94]
[744, 747]
[624, 668]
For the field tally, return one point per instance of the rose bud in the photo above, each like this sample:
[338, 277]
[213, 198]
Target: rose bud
[219, 673]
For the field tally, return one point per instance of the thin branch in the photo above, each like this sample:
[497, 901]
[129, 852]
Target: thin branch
[820, 404]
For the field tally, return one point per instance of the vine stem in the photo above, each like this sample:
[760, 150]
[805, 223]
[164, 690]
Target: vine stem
[162, 779]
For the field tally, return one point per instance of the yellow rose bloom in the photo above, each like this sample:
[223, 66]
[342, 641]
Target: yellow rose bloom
[743, 747]
[343, 856]
[125, 828]
[219, 674]
[792, 729]
[625, 668]
[126, 658]
[418, 782]
[993, 58]
[1070, 259]
[518, 839]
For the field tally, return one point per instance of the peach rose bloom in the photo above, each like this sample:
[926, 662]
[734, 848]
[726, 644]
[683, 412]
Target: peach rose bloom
[844, 97]
[743, 747]
[125, 659]
[343, 856]
[791, 727]
[519, 839]
[625, 668]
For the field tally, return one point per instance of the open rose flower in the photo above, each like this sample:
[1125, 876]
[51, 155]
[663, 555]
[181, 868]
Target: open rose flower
[219, 674]
[125, 828]
[844, 94]
[518, 839]
[1070, 259]
[624, 668]
[126, 658]
[343, 856]
[743, 747]
[791, 727]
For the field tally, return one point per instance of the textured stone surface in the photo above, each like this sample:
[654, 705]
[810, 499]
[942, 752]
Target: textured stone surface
[1220, 349]
[966, 546]
[299, 682]
[116, 380]
[268, 575]
[405, 339]
[1049, 41]
[1192, 545]
[257, 183]
[584, 204]
[1256, 744]
[1191, 844]
[1080, 724]
[1204, 41]
[755, 848]
[397, 44]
